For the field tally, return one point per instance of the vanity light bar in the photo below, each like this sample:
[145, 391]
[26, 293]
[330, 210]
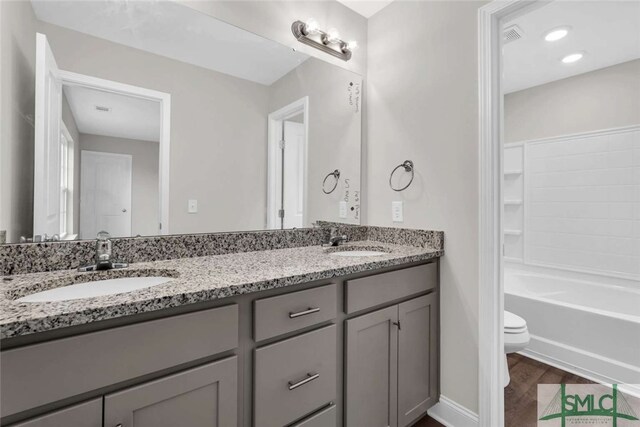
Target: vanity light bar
[308, 33]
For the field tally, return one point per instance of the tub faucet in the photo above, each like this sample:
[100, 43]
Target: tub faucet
[102, 256]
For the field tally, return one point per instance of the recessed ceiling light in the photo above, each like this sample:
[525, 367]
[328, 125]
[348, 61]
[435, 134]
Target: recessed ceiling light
[556, 34]
[574, 57]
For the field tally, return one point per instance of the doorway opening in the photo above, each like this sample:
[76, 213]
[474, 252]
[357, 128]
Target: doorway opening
[77, 113]
[287, 166]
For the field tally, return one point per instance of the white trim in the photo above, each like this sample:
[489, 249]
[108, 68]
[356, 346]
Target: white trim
[273, 158]
[591, 133]
[558, 355]
[451, 414]
[72, 148]
[491, 173]
[74, 79]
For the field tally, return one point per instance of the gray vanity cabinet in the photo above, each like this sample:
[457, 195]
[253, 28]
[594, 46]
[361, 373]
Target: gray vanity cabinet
[417, 358]
[359, 351]
[391, 364]
[372, 369]
[206, 396]
[88, 414]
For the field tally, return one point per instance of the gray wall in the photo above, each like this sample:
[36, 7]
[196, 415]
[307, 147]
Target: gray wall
[218, 128]
[601, 99]
[334, 133]
[422, 104]
[144, 179]
[17, 91]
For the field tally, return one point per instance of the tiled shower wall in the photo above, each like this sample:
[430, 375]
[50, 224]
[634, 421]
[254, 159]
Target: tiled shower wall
[582, 202]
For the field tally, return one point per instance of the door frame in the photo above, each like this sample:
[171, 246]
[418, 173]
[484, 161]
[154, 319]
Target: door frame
[274, 162]
[490, 132]
[75, 79]
[73, 154]
[94, 153]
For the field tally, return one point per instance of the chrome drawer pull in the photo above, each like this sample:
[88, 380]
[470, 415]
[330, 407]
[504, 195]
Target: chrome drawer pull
[310, 377]
[310, 310]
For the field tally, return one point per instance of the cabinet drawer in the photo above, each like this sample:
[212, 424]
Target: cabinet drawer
[371, 291]
[325, 418]
[88, 414]
[44, 373]
[203, 396]
[286, 313]
[294, 377]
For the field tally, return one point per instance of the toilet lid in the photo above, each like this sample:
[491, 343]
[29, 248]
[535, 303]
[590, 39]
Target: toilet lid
[514, 323]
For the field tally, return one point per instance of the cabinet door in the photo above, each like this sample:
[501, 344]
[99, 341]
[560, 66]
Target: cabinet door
[372, 369]
[417, 358]
[88, 414]
[206, 396]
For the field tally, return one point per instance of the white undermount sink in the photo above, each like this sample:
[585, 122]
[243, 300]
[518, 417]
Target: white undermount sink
[358, 253]
[95, 288]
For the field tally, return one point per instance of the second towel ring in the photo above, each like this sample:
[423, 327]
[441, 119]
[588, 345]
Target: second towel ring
[336, 175]
[408, 167]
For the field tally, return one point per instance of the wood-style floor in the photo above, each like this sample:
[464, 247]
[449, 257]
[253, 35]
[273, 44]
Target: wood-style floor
[427, 422]
[520, 402]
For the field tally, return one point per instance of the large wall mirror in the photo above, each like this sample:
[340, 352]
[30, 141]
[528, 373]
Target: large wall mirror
[147, 118]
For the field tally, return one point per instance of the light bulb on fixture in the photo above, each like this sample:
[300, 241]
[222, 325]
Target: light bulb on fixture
[352, 44]
[332, 35]
[556, 34]
[574, 57]
[329, 42]
[311, 26]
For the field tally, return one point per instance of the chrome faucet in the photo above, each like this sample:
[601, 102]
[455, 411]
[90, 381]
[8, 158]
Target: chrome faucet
[335, 239]
[102, 256]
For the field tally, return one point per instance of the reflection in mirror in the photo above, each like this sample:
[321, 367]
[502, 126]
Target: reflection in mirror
[146, 118]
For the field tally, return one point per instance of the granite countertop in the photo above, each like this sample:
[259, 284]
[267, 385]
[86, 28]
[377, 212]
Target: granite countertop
[194, 280]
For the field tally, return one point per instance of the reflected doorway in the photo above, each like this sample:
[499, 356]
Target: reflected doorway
[287, 166]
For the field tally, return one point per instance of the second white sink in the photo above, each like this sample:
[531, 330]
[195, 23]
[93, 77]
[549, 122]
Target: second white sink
[95, 289]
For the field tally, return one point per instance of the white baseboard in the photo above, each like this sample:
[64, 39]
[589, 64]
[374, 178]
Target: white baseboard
[451, 414]
[584, 364]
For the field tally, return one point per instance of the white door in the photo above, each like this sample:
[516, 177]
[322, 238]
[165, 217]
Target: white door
[293, 174]
[105, 194]
[47, 164]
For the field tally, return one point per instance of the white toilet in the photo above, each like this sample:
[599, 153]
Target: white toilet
[516, 338]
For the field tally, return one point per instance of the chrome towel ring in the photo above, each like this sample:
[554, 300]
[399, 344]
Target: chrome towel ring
[336, 176]
[408, 167]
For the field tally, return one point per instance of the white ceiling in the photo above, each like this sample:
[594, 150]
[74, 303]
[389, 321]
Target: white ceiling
[176, 31]
[366, 8]
[607, 31]
[129, 117]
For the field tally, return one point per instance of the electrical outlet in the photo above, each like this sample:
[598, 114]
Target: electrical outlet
[192, 206]
[343, 209]
[397, 214]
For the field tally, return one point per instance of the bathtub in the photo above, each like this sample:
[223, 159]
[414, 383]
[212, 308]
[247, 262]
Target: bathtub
[583, 324]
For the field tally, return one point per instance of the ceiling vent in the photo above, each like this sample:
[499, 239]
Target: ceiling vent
[103, 109]
[512, 33]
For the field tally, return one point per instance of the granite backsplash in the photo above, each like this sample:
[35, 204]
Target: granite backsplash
[50, 256]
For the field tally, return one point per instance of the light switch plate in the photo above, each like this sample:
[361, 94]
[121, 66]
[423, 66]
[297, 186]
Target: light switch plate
[343, 209]
[397, 214]
[192, 206]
